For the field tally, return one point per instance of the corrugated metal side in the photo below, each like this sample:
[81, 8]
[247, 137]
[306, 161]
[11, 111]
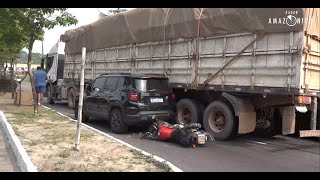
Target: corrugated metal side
[310, 64]
[275, 60]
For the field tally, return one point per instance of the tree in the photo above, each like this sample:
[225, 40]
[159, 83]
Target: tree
[12, 39]
[35, 21]
[12, 36]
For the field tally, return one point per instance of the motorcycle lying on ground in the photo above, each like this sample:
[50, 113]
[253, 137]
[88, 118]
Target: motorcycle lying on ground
[187, 135]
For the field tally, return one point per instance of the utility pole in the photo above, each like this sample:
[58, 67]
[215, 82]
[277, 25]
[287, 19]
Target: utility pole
[42, 48]
[77, 144]
[42, 58]
[12, 81]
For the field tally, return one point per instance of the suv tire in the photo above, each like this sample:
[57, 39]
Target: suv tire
[117, 123]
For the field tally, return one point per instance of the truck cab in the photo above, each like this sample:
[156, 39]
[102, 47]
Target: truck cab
[54, 67]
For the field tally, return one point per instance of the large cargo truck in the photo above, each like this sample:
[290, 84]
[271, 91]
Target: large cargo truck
[236, 71]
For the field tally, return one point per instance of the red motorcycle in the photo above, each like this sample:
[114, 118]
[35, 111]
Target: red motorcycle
[184, 134]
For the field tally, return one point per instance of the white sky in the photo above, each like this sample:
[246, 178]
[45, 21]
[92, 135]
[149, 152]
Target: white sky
[84, 16]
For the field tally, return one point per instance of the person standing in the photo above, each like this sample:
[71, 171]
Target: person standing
[39, 79]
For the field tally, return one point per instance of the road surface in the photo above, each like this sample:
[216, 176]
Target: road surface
[245, 153]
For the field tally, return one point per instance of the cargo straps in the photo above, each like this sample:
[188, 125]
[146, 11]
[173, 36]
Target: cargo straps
[165, 70]
[211, 77]
[197, 53]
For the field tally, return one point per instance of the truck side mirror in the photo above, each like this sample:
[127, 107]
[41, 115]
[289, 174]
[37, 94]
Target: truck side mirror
[96, 89]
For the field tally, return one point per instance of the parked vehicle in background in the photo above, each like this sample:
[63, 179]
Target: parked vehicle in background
[20, 69]
[127, 100]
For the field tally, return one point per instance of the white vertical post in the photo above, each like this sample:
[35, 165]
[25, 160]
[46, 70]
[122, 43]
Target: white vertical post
[314, 106]
[80, 99]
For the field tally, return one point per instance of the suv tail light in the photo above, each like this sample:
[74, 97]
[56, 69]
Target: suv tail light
[133, 96]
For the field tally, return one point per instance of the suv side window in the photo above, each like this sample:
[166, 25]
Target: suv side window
[111, 83]
[99, 83]
[121, 82]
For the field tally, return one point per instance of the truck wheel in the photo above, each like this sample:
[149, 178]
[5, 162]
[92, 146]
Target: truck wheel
[50, 94]
[117, 123]
[266, 122]
[71, 98]
[188, 111]
[218, 119]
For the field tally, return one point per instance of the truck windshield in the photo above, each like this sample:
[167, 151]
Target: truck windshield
[147, 85]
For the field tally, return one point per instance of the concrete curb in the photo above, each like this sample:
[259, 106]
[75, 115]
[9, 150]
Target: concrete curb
[24, 160]
[156, 158]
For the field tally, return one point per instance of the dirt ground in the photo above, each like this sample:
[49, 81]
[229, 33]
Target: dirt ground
[49, 140]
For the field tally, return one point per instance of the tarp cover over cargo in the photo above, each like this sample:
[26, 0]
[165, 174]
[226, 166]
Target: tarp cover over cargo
[161, 24]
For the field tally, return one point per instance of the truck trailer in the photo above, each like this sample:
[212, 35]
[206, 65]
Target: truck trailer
[235, 71]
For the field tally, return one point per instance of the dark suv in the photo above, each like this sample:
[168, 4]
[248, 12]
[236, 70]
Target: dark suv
[127, 100]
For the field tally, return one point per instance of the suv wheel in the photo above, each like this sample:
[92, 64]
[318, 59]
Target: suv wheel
[117, 123]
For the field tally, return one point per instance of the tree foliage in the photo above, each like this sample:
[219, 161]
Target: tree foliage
[13, 38]
[37, 19]
[20, 27]
[36, 57]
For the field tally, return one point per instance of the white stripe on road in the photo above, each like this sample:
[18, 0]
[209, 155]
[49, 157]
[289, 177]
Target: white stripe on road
[157, 158]
[257, 142]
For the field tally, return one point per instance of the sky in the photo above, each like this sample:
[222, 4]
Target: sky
[84, 15]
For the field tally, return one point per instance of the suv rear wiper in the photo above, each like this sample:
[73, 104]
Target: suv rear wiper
[152, 90]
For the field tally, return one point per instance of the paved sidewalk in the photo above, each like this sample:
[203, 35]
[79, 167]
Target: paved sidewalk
[8, 162]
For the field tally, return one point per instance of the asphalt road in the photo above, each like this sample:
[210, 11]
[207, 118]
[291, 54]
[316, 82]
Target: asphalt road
[245, 153]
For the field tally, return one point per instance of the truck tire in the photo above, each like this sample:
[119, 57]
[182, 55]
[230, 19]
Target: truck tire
[50, 94]
[189, 111]
[219, 120]
[267, 121]
[117, 123]
[71, 98]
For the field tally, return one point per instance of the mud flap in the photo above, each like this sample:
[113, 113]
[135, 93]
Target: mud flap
[244, 109]
[247, 117]
[288, 120]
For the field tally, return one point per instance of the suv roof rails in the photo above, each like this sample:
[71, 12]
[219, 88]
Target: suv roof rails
[154, 74]
[147, 74]
[103, 74]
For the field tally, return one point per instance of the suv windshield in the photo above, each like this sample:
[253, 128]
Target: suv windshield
[147, 85]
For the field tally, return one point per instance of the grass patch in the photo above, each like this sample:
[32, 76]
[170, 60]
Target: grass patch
[136, 153]
[49, 137]
[55, 116]
[16, 130]
[58, 166]
[86, 137]
[34, 143]
[27, 79]
[65, 153]
[150, 159]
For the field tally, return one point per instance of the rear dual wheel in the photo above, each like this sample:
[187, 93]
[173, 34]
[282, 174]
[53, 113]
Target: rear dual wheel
[218, 118]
